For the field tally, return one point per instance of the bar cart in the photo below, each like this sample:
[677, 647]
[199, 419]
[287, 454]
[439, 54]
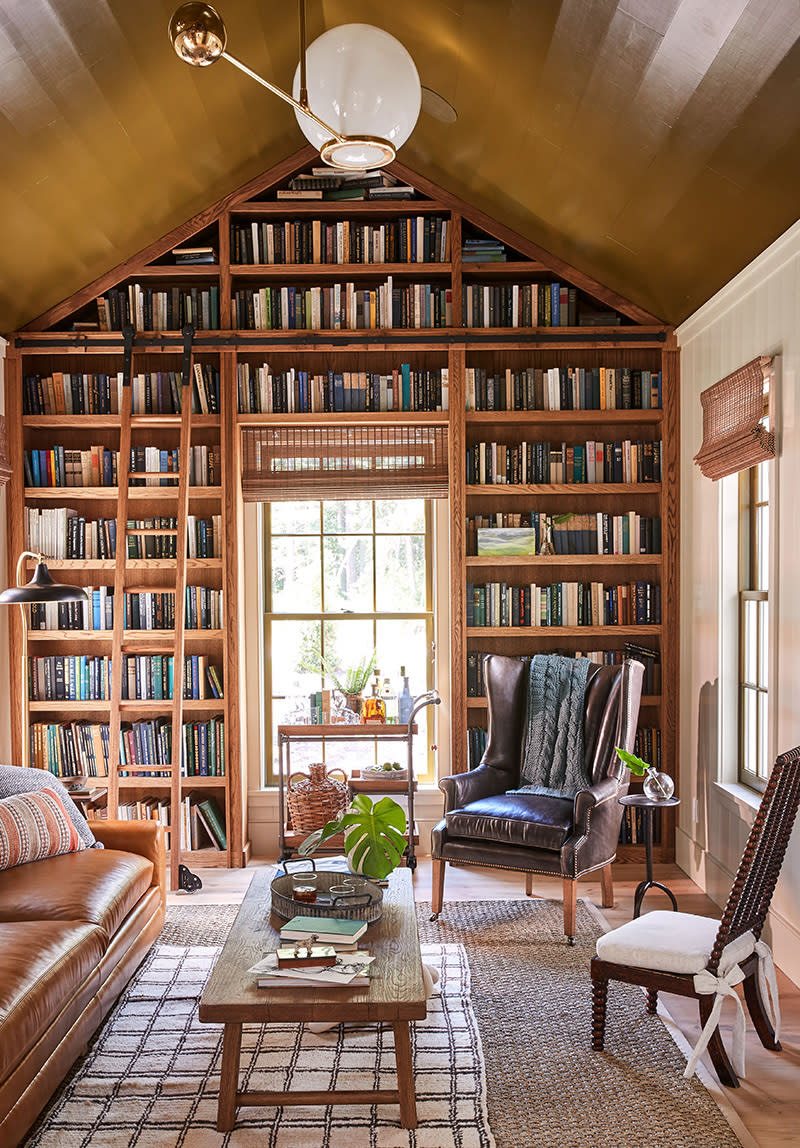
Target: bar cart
[289, 735]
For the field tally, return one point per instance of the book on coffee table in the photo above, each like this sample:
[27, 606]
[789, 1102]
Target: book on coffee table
[328, 930]
[351, 969]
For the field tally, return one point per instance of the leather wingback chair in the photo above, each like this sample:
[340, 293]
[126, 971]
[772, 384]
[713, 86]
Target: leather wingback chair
[485, 825]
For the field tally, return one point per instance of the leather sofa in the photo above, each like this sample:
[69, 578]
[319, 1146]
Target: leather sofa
[73, 929]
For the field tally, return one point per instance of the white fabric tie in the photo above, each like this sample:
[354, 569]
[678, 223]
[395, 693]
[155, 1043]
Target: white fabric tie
[723, 985]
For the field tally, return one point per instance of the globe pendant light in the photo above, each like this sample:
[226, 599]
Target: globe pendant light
[364, 94]
[364, 83]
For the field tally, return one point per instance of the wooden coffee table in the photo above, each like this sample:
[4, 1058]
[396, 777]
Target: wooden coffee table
[395, 995]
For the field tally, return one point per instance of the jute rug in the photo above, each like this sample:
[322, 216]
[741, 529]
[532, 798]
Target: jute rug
[531, 998]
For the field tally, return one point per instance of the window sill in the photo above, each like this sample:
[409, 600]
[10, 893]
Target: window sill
[741, 798]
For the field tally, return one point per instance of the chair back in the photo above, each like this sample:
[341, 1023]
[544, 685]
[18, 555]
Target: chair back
[611, 708]
[761, 862]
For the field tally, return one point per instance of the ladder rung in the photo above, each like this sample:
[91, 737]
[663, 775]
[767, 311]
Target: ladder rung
[150, 530]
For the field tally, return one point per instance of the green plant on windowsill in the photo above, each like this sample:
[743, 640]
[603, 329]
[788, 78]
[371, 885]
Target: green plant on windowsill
[353, 679]
[374, 836]
[657, 786]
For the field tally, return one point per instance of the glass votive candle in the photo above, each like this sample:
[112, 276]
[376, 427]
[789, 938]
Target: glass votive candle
[304, 886]
[343, 888]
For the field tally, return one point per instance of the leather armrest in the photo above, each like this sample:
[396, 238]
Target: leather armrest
[586, 800]
[461, 788]
[143, 837]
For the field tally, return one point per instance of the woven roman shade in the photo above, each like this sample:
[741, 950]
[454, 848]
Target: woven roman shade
[282, 464]
[734, 437]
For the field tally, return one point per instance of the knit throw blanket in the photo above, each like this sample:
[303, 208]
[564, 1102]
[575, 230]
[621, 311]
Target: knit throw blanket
[553, 753]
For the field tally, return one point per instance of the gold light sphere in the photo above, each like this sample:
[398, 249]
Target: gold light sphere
[197, 33]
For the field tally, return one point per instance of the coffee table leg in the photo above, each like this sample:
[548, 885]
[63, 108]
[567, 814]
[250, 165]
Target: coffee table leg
[405, 1074]
[229, 1077]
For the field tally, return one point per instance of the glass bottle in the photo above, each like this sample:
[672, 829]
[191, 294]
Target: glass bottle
[389, 698]
[374, 711]
[405, 702]
[656, 785]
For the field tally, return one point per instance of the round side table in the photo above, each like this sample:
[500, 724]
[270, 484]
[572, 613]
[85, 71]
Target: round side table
[639, 801]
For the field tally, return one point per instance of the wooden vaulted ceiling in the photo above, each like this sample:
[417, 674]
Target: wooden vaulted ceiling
[653, 144]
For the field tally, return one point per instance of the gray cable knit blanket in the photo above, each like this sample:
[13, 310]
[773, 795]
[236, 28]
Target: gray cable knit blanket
[553, 753]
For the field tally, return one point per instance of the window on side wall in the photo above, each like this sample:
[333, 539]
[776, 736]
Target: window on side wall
[755, 758]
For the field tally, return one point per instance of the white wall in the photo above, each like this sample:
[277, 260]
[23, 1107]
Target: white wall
[757, 313]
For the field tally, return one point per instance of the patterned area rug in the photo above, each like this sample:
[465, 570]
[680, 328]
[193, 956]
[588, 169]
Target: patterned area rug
[152, 1076]
[531, 997]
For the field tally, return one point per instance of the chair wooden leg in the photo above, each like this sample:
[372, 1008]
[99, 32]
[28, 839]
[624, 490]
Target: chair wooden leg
[529, 884]
[437, 887]
[599, 999]
[607, 886]
[758, 1014]
[652, 1000]
[570, 886]
[716, 1049]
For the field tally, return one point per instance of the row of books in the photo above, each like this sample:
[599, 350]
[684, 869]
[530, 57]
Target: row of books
[155, 309]
[482, 250]
[650, 658]
[202, 824]
[80, 748]
[476, 745]
[205, 465]
[61, 532]
[519, 305]
[623, 460]
[563, 604]
[408, 239]
[330, 184]
[502, 535]
[562, 389]
[142, 611]
[296, 391]
[343, 307]
[145, 677]
[60, 466]
[152, 392]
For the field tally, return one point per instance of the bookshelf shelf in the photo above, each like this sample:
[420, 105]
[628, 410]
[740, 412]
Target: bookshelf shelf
[549, 632]
[545, 418]
[533, 561]
[335, 271]
[506, 490]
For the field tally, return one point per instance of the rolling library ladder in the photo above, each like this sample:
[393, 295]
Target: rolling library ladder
[129, 641]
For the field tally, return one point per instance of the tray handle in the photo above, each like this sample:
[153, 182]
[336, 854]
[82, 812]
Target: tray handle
[353, 899]
[302, 861]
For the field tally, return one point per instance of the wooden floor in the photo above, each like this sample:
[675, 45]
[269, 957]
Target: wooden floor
[765, 1109]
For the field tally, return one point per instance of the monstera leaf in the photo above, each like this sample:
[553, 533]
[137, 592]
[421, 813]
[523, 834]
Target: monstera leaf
[373, 836]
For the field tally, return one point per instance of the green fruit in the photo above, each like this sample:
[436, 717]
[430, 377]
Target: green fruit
[387, 765]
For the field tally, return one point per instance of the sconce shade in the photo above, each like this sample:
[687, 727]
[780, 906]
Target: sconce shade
[41, 588]
[364, 83]
[197, 33]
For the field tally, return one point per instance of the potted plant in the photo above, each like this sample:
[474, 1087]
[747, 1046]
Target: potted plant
[657, 786]
[352, 681]
[374, 836]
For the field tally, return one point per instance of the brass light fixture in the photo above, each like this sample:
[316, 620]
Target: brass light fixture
[363, 80]
[41, 588]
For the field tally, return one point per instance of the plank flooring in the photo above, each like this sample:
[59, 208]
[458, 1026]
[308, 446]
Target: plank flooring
[766, 1108]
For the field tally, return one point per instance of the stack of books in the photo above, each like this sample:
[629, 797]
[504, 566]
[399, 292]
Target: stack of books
[289, 966]
[483, 251]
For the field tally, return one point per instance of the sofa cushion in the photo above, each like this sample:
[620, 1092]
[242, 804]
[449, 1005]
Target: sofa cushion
[99, 886]
[42, 964]
[34, 826]
[18, 779]
[527, 819]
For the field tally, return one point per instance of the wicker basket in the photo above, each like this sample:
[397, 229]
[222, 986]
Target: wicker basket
[315, 798]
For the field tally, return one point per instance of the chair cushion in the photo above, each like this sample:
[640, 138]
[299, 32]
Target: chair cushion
[43, 963]
[100, 886]
[526, 819]
[34, 826]
[663, 940]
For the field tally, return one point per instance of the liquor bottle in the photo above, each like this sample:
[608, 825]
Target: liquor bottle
[389, 698]
[405, 703]
[374, 711]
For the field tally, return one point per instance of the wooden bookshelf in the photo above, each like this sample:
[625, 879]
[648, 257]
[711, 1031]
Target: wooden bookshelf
[635, 340]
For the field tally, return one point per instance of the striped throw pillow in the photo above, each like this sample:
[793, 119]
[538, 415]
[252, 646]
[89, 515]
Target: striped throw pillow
[33, 826]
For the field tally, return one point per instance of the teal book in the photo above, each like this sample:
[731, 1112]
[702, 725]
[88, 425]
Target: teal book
[333, 928]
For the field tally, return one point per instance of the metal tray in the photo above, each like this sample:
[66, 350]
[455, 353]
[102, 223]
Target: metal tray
[365, 905]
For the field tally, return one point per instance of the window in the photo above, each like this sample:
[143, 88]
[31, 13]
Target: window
[344, 579]
[754, 646]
